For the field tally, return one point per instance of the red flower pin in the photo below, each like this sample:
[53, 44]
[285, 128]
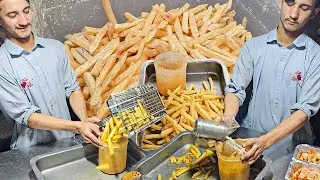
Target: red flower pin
[297, 76]
[26, 83]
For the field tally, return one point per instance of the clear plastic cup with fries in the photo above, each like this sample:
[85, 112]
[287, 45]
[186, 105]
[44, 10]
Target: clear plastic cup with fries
[114, 163]
[230, 164]
[170, 71]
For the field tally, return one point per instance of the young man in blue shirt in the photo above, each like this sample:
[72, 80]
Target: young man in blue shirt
[35, 80]
[284, 66]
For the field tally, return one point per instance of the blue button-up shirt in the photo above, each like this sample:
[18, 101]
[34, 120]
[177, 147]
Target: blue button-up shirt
[35, 81]
[285, 79]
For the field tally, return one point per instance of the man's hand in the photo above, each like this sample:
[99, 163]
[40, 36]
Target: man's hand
[225, 119]
[90, 133]
[257, 146]
[92, 119]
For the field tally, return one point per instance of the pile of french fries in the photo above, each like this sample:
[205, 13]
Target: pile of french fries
[202, 163]
[183, 108]
[108, 59]
[114, 129]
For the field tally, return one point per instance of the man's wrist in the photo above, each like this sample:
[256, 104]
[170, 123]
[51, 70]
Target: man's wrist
[267, 139]
[76, 126]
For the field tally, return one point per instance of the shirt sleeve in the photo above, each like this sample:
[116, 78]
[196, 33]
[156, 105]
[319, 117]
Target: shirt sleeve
[242, 75]
[69, 76]
[13, 101]
[309, 99]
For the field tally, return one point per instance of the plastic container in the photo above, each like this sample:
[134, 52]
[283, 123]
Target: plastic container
[117, 162]
[231, 167]
[170, 71]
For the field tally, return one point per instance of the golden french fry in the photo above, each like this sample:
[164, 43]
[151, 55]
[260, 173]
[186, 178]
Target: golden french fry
[153, 136]
[178, 28]
[150, 19]
[95, 43]
[130, 17]
[211, 54]
[231, 33]
[90, 30]
[72, 61]
[185, 22]
[114, 71]
[127, 73]
[125, 26]
[77, 41]
[148, 146]
[214, 33]
[199, 8]
[108, 9]
[108, 49]
[232, 44]
[193, 25]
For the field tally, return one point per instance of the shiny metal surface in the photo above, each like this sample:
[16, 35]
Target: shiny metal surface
[209, 129]
[159, 162]
[197, 71]
[78, 162]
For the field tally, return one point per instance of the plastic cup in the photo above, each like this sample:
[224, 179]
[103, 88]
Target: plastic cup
[170, 71]
[118, 161]
[231, 167]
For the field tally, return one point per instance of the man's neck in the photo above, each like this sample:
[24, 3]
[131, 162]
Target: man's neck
[27, 43]
[286, 38]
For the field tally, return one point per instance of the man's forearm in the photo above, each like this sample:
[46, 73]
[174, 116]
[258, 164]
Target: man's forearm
[78, 105]
[294, 122]
[231, 105]
[46, 122]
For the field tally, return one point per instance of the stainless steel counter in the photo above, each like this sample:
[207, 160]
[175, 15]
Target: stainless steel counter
[15, 164]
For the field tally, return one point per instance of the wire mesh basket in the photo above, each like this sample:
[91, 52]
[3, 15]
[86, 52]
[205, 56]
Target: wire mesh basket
[138, 108]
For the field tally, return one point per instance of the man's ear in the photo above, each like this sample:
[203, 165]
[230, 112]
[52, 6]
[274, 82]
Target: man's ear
[315, 13]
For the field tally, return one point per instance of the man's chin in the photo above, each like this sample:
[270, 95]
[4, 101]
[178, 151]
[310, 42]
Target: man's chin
[292, 28]
[23, 36]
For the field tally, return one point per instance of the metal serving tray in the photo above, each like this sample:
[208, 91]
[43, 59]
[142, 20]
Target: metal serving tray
[159, 162]
[305, 147]
[197, 71]
[77, 162]
[296, 164]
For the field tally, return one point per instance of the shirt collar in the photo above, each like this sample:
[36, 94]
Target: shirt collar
[14, 49]
[299, 42]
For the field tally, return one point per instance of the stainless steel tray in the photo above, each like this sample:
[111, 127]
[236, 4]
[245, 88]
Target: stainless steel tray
[158, 162]
[77, 162]
[197, 71]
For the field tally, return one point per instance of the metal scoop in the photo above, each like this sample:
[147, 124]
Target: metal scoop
[211, 130]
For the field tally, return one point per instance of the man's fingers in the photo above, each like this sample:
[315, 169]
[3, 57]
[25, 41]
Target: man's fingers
[94, 139]
[248, 142]
[249, 154]
[255, 157]
[94, 119]
[95, 129]
[86, 140]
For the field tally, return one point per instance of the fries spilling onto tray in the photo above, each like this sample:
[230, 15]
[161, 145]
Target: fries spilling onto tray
[183, 108]
[108, 59]
[201, 163]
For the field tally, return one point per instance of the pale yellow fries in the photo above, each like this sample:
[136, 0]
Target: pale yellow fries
[183, 108]
[115, 52]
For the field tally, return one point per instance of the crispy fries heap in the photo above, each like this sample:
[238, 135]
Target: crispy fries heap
[184, 107]
[108, 59]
